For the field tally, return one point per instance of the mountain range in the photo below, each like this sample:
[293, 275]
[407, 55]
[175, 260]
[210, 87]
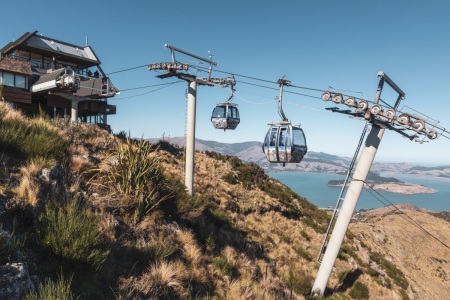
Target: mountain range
[318, 162]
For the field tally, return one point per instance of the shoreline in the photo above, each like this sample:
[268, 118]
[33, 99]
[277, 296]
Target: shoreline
[397, 188]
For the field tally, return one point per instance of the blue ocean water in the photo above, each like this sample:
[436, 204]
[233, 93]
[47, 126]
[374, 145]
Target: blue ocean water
[314, 187]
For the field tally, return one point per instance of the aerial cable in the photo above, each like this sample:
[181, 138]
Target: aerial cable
[306, 88]
[251, 102]
[403, 215]
[143, 87]
[129, 69]
[258, 85]
[167, 85]
[239, 75]
[307, 106]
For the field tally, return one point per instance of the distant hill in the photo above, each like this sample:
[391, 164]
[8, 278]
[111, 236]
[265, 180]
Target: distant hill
[319, 162]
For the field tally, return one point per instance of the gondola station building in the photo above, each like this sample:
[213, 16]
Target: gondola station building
[61, 79]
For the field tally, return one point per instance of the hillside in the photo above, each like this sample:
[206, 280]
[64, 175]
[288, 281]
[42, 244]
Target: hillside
[424, 261]
[88, 215]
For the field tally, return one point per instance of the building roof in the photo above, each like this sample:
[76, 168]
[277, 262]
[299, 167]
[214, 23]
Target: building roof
[15, 66]
[43, 45]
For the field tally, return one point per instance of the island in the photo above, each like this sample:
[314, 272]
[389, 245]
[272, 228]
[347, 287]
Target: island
[389, 184]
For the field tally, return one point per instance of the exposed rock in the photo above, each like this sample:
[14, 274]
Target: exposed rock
[15, 281]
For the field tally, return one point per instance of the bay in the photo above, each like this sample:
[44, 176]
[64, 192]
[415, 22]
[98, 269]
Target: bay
[314, 187]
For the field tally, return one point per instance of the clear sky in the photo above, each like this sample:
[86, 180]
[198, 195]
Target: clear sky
[315, 44]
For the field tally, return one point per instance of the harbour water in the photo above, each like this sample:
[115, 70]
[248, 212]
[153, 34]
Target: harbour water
[314, 187]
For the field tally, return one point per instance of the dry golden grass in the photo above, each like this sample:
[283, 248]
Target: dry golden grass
[78, 164]
[163, 280]
[193, 253]
[424, 261]
[28, 188]
[7, 113]
[186, 265]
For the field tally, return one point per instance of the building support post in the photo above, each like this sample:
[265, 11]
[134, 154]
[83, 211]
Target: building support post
[190, 137]
[74, 111]
[348, 207]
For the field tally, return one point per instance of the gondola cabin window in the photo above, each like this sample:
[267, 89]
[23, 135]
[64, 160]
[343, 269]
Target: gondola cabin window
[219, 112]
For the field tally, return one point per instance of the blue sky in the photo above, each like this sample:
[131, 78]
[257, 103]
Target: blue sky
[315, 44]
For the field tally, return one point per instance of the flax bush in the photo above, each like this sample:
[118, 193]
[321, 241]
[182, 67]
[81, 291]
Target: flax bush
[72, 233]
[134, 176]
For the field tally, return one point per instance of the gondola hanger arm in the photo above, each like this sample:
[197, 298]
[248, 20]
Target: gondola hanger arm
[282, 82]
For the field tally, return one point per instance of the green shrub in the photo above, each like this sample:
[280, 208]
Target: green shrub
[391, 270]
[303, 253]
[220, 218]
[225, 266]
[286, 238]
[72, 233]
[299, 283]
[404, 295]
[359, 291]
[52, 291]
[305, 235]
[229, 178]
[31, 140]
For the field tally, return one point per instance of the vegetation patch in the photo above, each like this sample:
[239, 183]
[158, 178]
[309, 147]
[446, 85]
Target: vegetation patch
[359, 291]
[29, 140]
[134, 176]
[72, 233]
[298, 283]
[52, 291]
[391, 270]
[225, 266]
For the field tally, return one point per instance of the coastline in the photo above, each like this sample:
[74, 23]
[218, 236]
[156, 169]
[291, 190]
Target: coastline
[397, 188]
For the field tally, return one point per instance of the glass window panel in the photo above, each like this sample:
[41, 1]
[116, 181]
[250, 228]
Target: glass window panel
[299, 138]
[267, 139]
[20, 81]
[219, 112]
[273, 136]
[282, 139]
[8, 79]
[288, 138]
[233, 112]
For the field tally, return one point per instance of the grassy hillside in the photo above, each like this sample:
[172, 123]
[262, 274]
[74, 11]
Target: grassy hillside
[94, 216]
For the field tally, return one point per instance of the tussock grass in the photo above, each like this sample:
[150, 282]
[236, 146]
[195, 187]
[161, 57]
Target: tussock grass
[28, 188]
[72, 233]
[191, 250]
[163, 280]
[7, 113]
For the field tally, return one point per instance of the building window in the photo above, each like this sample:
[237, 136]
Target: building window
[20, 81]
[15, 80]
[8, 79]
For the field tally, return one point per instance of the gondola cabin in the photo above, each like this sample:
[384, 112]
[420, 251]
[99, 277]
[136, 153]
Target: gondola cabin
[285, 143]
[225, 116]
